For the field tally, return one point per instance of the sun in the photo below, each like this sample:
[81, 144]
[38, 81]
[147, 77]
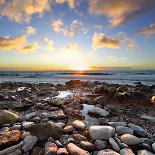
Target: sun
[81, 67]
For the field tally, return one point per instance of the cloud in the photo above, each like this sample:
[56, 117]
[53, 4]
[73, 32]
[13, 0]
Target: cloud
[31, 30]
[132, 44]
[69, 31]
[49, 44]
[71, 3]
[17, 43]
[100, 40]
[148, 31]
[73, 47]
[121, 11]
[22, 10]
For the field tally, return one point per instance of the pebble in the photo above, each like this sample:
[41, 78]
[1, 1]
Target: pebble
[69, 129]
[26, 125]
[79, 125]
[50, 148]
[144, 152]
[126, 151]
[62, 151]
[114, 145]
[107, 152]
[87, 146]
[153, 147]
[100, 145]
[124, 130]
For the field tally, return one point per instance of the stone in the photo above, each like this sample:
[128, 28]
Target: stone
[142, 134]
[79, 137]
[100, 145]
[57, 115]
[79, 124]
[144, 152]
[24, 134]
[62, 151]
[101, 132]
[60, 124]
[123, 130]
[75, 150]
[87, 146]
[114, 145]
[26, 125]
[131, 140]
[50, 148]
[30, 115]
[16, 152]
[45, 130]
[7, 117]
[63, 138]
[11, 149]
[58, 143]
[68, 129]
[16, 127]
[29, 143]
[8, 138]
[153, 147]
[115, 124]
[107, 152]
[126, 151]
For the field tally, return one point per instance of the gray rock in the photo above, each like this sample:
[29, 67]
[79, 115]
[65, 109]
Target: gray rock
[75, 150]
[7, 117]
[29, 142]
[26, 125]
[16, 152]
[153, 147]
[107, 152]
[144, 152]
[45, 130]
[114, 145]
[126, 151]
[79, 124]
[115, 124]
[100, 145]
[57, 115]
[50, 148]
[63, 138]
[123, 130]
[101, 132]
[30, 115]
[87, 146]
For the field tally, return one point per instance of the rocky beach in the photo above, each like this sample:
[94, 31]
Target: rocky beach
[77, 118]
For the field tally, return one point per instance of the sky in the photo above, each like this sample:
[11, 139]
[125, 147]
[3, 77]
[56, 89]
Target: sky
[77, 34]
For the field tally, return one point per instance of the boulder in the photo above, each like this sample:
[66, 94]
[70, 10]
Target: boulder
[101, 132]
[7, 117]
[79, 125]
[75, 150]
[44, 130]
[29, 143]
[126, 151]
[8, 138]
[114, 145]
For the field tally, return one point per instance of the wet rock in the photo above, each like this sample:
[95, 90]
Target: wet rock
[126, 151]
[45, 130]
[101, 132]
[131, 140]
[57, 115]
[144, 152]
[107, 152]
[8, 138]
[79, 124]
[123, 130]
[62, 151]
[69, 129]
[75, 150]
[29, 142]
[12, 149]
[87, 146]
[50, 148]
[100, 145]
[114, 145]
[7, 117]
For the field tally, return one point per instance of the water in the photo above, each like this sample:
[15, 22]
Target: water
[110, 76]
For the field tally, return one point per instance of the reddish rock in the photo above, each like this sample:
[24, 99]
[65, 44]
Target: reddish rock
[62, 151]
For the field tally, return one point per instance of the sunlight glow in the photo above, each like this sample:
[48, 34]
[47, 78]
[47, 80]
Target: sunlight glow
[81, 67]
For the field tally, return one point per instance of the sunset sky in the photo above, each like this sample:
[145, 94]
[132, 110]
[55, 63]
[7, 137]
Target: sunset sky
[77, 34]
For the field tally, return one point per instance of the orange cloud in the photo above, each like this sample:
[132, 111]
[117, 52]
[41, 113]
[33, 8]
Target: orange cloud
[31, 30]
[29, 48]
[100, 40]
[121, 11]
[71, 3]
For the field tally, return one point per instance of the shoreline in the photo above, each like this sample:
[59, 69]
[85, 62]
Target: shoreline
[92, 103]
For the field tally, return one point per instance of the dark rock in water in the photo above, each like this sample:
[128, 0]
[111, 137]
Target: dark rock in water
[7, 117]
[45, 130]
[8, 138]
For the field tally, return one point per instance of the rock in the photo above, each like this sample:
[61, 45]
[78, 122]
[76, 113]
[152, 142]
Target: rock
[131, 140]
[58, 143]
[79, 137]
[142, 134]
[114, 145]
[115, 124]
[87, 146]
[153, 147]
[101, 132]
[100, 145]
[30, 115]
[79, 125]
[57, 115]
[62, 151]
[75, 150]
[144, 152]
[50, 148]
[37, 151]
[50, 139]
[60, 124]
[11, 149]
[16, 152]
[107, 152]
[7, 117]
[29, 142]
[26, 125]
[69, 129]
[69, 140]
[24, 134]
[16, 127]
[45, 130]
[8, 138]
[126, 151]
[123, 130]
[63, 138]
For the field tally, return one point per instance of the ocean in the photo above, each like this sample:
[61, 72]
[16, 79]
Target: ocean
[110, 76]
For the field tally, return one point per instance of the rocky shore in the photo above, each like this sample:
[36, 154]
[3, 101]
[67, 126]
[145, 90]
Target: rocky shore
[77, 118]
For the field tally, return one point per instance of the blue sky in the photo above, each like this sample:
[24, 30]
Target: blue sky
[76, 34]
